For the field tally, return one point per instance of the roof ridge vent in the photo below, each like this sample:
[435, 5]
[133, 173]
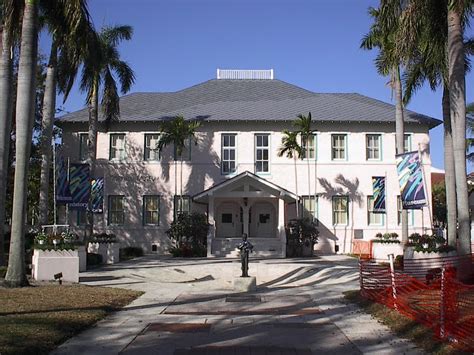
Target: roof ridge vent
[238, 74]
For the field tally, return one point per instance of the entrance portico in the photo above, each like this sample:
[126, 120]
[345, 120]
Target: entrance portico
[247, 203]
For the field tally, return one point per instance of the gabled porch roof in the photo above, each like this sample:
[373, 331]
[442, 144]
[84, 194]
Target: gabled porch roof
[246, 184]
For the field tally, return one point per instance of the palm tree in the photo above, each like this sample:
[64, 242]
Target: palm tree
[178, 131]
[68, 42]
[16, 273]
[428, 63]
[100, 61]
[458, 13]
[419, 15]
[292, 150]
[382, 35]
[303, 126]
[9, 22]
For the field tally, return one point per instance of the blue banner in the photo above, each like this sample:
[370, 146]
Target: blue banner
[97, 195]
[63, 194]
[410, 178]
[80, 186]
[378, 184]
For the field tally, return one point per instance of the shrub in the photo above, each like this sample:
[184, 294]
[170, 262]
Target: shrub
[386, 238]
[299, 233]
[103, 238]
[130, 253]
[3, 272]
[188, 233]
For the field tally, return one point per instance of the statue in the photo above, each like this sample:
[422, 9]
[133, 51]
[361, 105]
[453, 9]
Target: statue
[245, 247]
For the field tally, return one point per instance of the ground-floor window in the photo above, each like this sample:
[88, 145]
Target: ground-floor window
[116, 211]
[340, 210]
[399, 214]
[375, 219]
[182, 204]
[81, 217]
[151, 210]
[310, 208]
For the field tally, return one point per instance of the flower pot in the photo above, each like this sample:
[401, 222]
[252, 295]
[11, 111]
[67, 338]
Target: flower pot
[41, 242]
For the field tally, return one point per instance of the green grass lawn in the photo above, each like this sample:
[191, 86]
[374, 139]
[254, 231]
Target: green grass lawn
[34, 320]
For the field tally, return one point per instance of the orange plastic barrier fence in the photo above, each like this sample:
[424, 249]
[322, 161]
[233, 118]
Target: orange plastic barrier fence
[433, 297]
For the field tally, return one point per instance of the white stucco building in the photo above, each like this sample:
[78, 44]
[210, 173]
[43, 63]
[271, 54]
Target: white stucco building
[234, 174]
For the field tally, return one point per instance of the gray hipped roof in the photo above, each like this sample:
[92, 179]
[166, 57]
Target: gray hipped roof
[253, 100]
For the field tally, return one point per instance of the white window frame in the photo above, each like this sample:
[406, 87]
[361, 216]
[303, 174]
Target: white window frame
[147, 150]
[310, 213]
[177, 208]
[83, 146]
[312, 149]
[344, 148]
[228, 148]
[374, 219]
[335, 221]
[112, 221]
[157, 210]
[373, 149]
[263, 148]
[399, 213]
[115, 149]
[407, 138]
[187, 147]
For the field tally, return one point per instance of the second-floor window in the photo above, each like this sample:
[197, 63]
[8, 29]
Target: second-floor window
[152, 152]
[338, 144]
[406, 143]
[83, 146]
[228, 160]
[186, 153]
[117, 147]
[309, 146]
[373, 149]
[262, 148]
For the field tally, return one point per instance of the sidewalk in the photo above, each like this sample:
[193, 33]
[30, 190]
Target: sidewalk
[189, 308]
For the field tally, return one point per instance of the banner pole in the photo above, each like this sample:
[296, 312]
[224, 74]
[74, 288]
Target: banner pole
[67, 204]
[54, 181]
[424, 188]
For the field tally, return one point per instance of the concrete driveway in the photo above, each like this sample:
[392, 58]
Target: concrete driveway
[189, 307]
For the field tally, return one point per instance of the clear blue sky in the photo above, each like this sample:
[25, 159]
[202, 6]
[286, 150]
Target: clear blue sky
[310, 43]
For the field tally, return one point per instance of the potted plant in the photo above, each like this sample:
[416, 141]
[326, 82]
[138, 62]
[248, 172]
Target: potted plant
[41, 238]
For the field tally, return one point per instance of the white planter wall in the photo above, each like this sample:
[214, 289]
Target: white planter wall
[47, 263]
[380, 251]
[109, 251]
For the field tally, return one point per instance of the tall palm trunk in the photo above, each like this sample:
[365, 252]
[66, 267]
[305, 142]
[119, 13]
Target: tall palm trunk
[49, 106]
[457, 94]
[181, 181]
[400, 136]
[296, 189]
[92, 151]
[449, 176]
[309, 169]
[25, 105]
[6, 76]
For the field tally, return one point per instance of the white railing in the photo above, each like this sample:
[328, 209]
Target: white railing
[245, 74]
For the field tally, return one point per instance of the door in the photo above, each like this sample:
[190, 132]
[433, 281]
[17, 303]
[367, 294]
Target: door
[263, 220]
[228, 221]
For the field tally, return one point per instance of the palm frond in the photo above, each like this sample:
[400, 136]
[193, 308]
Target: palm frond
[125, 75]
[110, 102]
[114, 35]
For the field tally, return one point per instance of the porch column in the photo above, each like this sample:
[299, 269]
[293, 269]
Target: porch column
[281, 226]
[245, 219]
[212, 225]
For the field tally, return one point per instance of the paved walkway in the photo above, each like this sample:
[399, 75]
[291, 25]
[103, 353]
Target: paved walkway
[189, 307]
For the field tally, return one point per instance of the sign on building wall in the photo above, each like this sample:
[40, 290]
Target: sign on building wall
[410, 178]
[378, 184]
[80, 186]
[63, 194]
[97, 195]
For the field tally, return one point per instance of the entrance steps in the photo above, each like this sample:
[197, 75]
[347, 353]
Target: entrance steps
[262, 247]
